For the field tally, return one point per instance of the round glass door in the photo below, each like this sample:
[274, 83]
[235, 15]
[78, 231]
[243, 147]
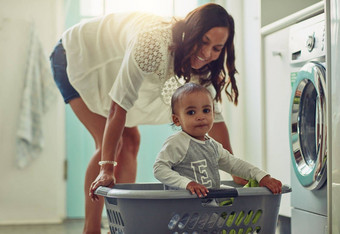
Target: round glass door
[308, 126]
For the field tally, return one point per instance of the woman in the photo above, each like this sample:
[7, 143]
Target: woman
[120, 70]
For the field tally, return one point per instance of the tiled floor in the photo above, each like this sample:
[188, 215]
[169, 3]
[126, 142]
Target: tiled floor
[68, 227]
[76, 227]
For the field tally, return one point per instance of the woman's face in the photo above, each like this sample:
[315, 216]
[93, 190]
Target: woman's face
[212, 44]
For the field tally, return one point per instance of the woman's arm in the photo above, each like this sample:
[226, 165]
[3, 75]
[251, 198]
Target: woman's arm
[114, 127]
[220, 133]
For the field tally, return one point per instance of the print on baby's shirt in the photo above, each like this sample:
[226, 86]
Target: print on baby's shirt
[200, 172]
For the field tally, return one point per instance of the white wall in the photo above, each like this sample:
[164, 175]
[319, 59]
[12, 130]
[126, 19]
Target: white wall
[244, 121]
[234, 115]
[253, 83]
[35, 194]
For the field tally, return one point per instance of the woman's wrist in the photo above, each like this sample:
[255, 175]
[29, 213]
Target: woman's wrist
[114, 163]
[107, 166]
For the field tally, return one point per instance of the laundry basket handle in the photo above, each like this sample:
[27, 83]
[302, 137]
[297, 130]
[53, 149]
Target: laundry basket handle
[102, 191]
[222, 193]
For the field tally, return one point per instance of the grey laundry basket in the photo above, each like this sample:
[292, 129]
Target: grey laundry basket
[149, 209]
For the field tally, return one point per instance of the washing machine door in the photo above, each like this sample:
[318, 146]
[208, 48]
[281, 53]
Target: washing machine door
[308, 126]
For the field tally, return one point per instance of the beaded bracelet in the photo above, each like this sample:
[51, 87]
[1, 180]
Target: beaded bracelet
[114, 163]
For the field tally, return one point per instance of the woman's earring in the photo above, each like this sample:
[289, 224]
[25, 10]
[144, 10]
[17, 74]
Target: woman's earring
[183, 35]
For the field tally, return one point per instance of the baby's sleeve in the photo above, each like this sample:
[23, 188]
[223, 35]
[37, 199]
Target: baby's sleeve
[171, 154]
[236, 166]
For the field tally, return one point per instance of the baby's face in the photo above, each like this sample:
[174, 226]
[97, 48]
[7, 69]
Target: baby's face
[194, 113]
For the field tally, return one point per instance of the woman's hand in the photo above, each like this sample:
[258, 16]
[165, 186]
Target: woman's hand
[199, 189]
[239, 180]
[273, 184]
[103, 179]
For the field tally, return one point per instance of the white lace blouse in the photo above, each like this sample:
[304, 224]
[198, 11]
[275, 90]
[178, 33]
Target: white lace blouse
[125, 57]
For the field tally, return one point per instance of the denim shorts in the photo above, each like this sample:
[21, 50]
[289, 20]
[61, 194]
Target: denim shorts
[58, 66]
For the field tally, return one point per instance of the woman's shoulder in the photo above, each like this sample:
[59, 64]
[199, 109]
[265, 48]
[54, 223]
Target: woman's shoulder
[151, 51]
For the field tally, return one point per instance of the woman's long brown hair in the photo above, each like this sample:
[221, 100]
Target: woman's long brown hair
[187, 37]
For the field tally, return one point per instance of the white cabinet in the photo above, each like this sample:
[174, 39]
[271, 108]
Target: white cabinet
[276, 103]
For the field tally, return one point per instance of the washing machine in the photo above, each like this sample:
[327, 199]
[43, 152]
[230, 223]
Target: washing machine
[308, 126]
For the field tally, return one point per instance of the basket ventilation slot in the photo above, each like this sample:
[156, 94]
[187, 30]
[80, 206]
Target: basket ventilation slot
[234, 222]
[116, 221]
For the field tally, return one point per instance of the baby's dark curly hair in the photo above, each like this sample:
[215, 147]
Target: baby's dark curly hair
[186, 89]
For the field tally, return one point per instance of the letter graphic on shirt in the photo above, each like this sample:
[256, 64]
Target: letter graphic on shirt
[200, 172]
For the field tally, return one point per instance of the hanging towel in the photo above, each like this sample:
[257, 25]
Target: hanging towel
[38, 94]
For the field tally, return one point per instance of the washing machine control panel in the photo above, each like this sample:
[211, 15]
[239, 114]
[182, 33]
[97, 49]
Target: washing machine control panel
[307, 40]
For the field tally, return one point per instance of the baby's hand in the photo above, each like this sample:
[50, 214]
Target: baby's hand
[199, 189]
[273, 184]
